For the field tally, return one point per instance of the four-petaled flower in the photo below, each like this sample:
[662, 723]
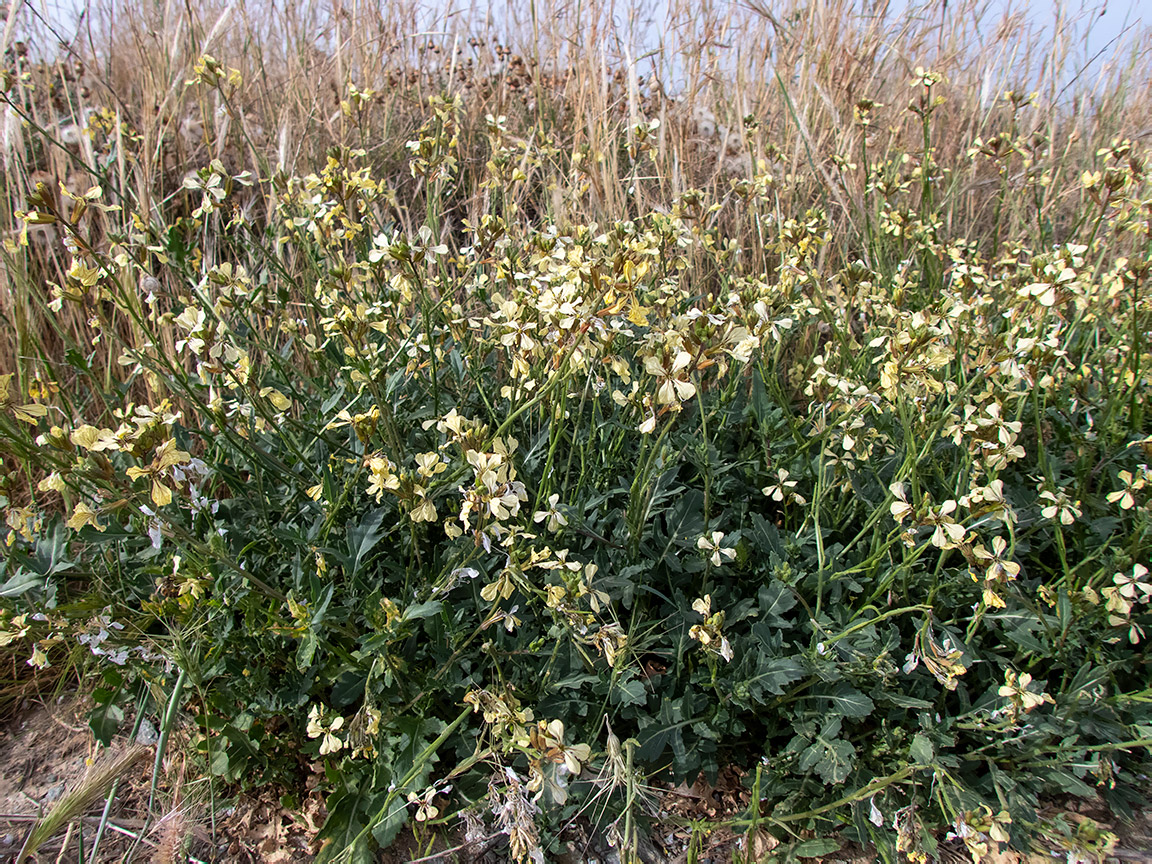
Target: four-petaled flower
[1015, 690]
[1060, 506]
[998, 570]
[674, 388]
[426, 808]
[947, 533]
[783, 487]
[167, 457]
[900, 508]
[83, 515]
[718, 552]
[1124, 496]
[556, 519]
[317, 728]
[549, 739]
[1126, 592]
[429, 464]
[1133, 585]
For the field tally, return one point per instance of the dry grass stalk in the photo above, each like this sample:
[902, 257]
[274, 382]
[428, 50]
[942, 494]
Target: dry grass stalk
[77, 800]
[172, 831]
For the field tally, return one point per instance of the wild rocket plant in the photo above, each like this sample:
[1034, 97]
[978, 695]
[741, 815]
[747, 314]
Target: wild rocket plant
[504, 462]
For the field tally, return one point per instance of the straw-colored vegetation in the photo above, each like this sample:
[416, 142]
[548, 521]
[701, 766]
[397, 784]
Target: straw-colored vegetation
[511, 412]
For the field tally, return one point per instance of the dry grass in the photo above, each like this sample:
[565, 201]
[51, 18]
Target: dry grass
[743, 93]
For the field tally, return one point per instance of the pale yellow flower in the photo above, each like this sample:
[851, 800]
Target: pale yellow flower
[429, 464]
[1015, 689]
[94, 440]
[556, 519]
[947, 534]
[83, 515]
[718, 552]
[317, 728]
[783, 487]
[674, 387]
[424, 511]
[900, 508]
[1133, 586]
[1060, 506]
[1124, 496]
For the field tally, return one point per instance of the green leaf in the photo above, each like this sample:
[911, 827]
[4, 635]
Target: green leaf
[816, 848]
[105, 719]
[573, 682]
[218, 764]
[78, 361]
[416, 733]
[1071, 784]
[306, 651]
[850, 702]
[768, 536]
[332, 401]
[903, 700]
[811, 755]
[921, 750]
[363, 538]
[685, 521]
[1089, 678]
[776, 598]
[347, 817]
[422, 610]
[629, 692]
[687, 517]
[347, 688]
[772, 676]
[51, 550]
[666, 730]
[833, 760]
[21, 583]
[1023, 637]
[386, 830]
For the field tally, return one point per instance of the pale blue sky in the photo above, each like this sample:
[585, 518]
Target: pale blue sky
[1105, 30]
[1101, 25]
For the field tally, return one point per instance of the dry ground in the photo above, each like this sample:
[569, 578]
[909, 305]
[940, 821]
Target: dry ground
[46, 749]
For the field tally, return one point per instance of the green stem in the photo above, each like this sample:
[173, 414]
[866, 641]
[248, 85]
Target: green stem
[413, 773]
